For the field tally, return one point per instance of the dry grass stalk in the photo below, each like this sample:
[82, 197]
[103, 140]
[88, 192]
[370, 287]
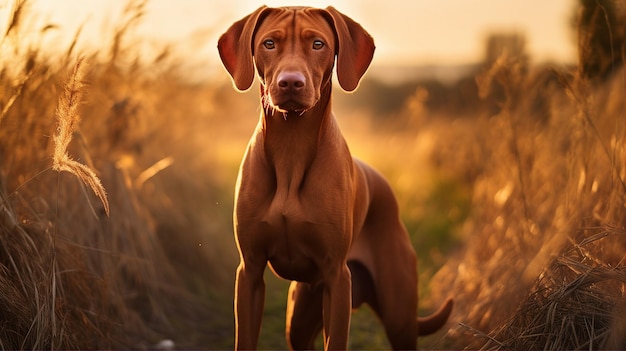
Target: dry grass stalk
[570, 308]
[17, 13]
[68, 120]
[133, 13]
[13, 97]
[153, 170]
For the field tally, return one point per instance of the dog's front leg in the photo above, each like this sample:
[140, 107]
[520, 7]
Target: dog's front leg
[249, 301]
[337, 308]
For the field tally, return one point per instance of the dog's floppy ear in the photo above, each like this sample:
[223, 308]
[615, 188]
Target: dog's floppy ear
[355, 49]
[235, 48]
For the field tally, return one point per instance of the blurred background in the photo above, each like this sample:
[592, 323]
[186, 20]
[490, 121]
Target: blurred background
[406, 34]
[498, 124]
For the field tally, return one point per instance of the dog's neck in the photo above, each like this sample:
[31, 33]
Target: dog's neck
[291, 140]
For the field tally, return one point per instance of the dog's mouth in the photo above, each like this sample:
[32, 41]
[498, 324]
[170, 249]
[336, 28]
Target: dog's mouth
[291, 106]
[286, 104]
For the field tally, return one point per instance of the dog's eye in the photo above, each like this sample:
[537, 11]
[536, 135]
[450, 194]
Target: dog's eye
[318, 44]
[269, 44]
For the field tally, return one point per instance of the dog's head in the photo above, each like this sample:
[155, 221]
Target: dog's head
[294, 50]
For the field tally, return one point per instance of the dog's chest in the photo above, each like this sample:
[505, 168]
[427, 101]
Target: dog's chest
[296, 214]
[300, 235]
[293, 221]
[292, 238]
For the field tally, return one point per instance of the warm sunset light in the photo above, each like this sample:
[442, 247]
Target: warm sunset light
[165, 186]
[406, 32]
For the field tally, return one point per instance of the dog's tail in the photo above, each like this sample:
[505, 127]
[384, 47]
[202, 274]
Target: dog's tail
[430, 324]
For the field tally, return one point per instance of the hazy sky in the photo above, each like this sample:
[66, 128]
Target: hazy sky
[405, 31]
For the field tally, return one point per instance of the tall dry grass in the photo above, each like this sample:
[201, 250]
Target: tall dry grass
[544, 264]
[68, 120]
[537, 262]
[79, 271]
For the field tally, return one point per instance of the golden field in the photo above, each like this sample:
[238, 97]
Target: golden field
[117, 176]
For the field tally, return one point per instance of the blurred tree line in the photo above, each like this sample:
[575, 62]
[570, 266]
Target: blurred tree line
[598, 25]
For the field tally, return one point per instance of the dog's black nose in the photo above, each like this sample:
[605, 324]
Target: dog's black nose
[291, 81]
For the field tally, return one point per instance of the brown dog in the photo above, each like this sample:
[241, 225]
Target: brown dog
[319, 217]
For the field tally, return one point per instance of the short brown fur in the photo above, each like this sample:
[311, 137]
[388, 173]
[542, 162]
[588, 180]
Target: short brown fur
[322, 219]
